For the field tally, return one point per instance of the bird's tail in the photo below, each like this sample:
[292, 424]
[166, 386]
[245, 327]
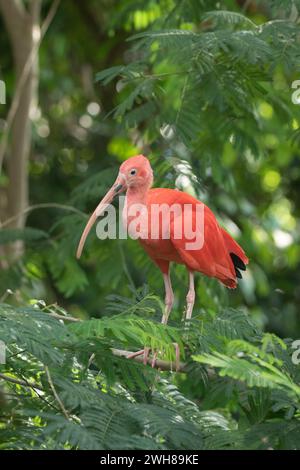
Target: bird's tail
[237, 254]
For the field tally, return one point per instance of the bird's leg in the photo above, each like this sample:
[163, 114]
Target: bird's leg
[169, 301]
[144, 351]
[190, 298]
[177, 356]
[169, 298]
[146, 356]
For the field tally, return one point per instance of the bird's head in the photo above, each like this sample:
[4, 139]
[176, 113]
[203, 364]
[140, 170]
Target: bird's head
[136, 172]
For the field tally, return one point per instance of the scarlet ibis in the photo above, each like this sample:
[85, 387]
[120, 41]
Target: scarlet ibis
[218, 256]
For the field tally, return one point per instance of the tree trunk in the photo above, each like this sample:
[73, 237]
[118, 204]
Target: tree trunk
[23, 29]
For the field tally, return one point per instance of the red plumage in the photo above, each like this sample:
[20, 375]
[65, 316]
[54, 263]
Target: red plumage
[218, 255]
[212, 259]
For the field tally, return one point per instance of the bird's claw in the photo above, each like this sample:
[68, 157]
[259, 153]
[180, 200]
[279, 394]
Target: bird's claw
[146, 352]
[153, 362]
[135, 354]
[177, 356]
[146, 356]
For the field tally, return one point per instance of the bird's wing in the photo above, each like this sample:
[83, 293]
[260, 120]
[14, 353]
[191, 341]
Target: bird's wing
[206, 252]
[213, 258]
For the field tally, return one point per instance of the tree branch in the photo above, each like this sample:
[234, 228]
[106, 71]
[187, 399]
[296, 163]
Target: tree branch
[36, 388]
[159, 363]
[14, 14]
[23, 383]
[45, 205]
[62, 407]
[63, 317]
[26, 70]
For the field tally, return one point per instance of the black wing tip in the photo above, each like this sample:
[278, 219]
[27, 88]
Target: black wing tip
[239, 265]
[238, 262]
[238, 273]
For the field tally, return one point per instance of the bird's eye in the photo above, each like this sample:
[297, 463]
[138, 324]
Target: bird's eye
[133, 172]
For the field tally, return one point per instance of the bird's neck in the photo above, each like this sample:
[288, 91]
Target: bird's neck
[136, 195]
[135, 204]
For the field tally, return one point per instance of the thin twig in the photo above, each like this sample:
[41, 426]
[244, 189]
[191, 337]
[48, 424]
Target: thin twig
[182, 95]
[23, 383]
[92, 357]
[36, 389]
[7, 293]
[17, 353]
[62, 317]
[41, 397]
[125, 267]
[159, 363]
[45, 205]
[62, 407]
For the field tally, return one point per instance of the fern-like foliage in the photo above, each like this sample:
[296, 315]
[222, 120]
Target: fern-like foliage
[64, 387]
[204, 81]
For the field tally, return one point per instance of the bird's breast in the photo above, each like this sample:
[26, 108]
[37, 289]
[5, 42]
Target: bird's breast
[147, 221]
[151, 226]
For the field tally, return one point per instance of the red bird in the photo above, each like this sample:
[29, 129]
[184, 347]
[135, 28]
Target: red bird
[185, 232]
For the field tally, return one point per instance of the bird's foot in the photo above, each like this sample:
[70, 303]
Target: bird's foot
[144, 351]
[146, 356]
[154, 358]
[177, 357]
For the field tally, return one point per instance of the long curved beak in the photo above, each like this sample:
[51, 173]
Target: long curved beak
[118, 187]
